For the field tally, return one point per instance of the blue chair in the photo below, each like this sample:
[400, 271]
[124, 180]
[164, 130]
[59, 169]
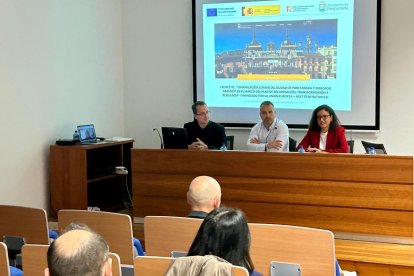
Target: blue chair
[138, 247]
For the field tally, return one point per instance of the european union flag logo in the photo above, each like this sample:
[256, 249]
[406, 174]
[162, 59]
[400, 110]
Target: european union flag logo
[212, 12]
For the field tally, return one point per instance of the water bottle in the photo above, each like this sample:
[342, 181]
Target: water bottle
[301, 149]
[223, 147]
[76, 136]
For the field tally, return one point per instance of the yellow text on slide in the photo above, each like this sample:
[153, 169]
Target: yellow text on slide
[292, 77]
[261, 10]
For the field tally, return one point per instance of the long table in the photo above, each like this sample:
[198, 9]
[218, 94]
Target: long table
[368, 197]
[358, 197]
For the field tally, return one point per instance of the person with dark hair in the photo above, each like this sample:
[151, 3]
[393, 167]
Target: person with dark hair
[79, 251]
[203, 134]
[325, 134]
[225, 233]
[271, 134]
[204, 195]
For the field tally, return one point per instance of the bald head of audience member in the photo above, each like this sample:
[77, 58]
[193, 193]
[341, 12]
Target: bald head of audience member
[79, 251]
[204, 194]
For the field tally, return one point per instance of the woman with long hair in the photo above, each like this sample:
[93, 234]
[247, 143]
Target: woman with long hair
[325, 134]
[225, 234]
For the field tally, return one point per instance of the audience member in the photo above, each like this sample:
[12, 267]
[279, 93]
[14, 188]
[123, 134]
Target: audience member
[271, 134]
[207, 265]
[225, 234]
[325, 133]
[79, 251]
[203, 134]
[204, 195]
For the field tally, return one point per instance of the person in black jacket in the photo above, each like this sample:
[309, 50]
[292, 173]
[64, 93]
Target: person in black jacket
[203, 134]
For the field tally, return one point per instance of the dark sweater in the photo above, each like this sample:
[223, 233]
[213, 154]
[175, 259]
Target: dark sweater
[213, 135]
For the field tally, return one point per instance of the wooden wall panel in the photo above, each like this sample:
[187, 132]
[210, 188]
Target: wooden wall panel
[345, 167]
[308, 192]
[372, 259]
[356, 194]
[375, 269]
[353, 220]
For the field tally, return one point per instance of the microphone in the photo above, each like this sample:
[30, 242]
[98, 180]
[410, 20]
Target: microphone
[159, 135]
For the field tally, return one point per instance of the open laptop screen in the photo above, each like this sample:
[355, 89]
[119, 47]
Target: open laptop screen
[174, 137]
[86, 133]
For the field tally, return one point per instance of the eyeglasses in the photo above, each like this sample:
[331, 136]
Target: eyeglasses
[323, 117]
[203, 113]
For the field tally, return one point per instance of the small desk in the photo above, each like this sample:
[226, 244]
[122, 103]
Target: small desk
[83, 175]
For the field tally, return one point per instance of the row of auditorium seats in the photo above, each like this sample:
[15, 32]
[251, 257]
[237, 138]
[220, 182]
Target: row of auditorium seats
[34, 258]
[268, 242]
[312, 248]
[35, 261]
[31, 223]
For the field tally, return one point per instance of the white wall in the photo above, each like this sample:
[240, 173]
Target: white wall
[158, 67]
[60, 66]
[127, 67]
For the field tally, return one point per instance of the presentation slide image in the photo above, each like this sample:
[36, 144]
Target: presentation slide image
[296, 54]
[279, 50]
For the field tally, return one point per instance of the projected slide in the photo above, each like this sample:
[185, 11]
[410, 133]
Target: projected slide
[297, 55]
[291, 50]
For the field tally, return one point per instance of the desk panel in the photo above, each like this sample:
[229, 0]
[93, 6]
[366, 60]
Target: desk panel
[366, 196]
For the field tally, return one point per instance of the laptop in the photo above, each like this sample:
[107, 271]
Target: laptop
[174, 137]
[87, 134]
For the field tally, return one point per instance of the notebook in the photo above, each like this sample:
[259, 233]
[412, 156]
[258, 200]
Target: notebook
[174, 138]
[87, 134]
